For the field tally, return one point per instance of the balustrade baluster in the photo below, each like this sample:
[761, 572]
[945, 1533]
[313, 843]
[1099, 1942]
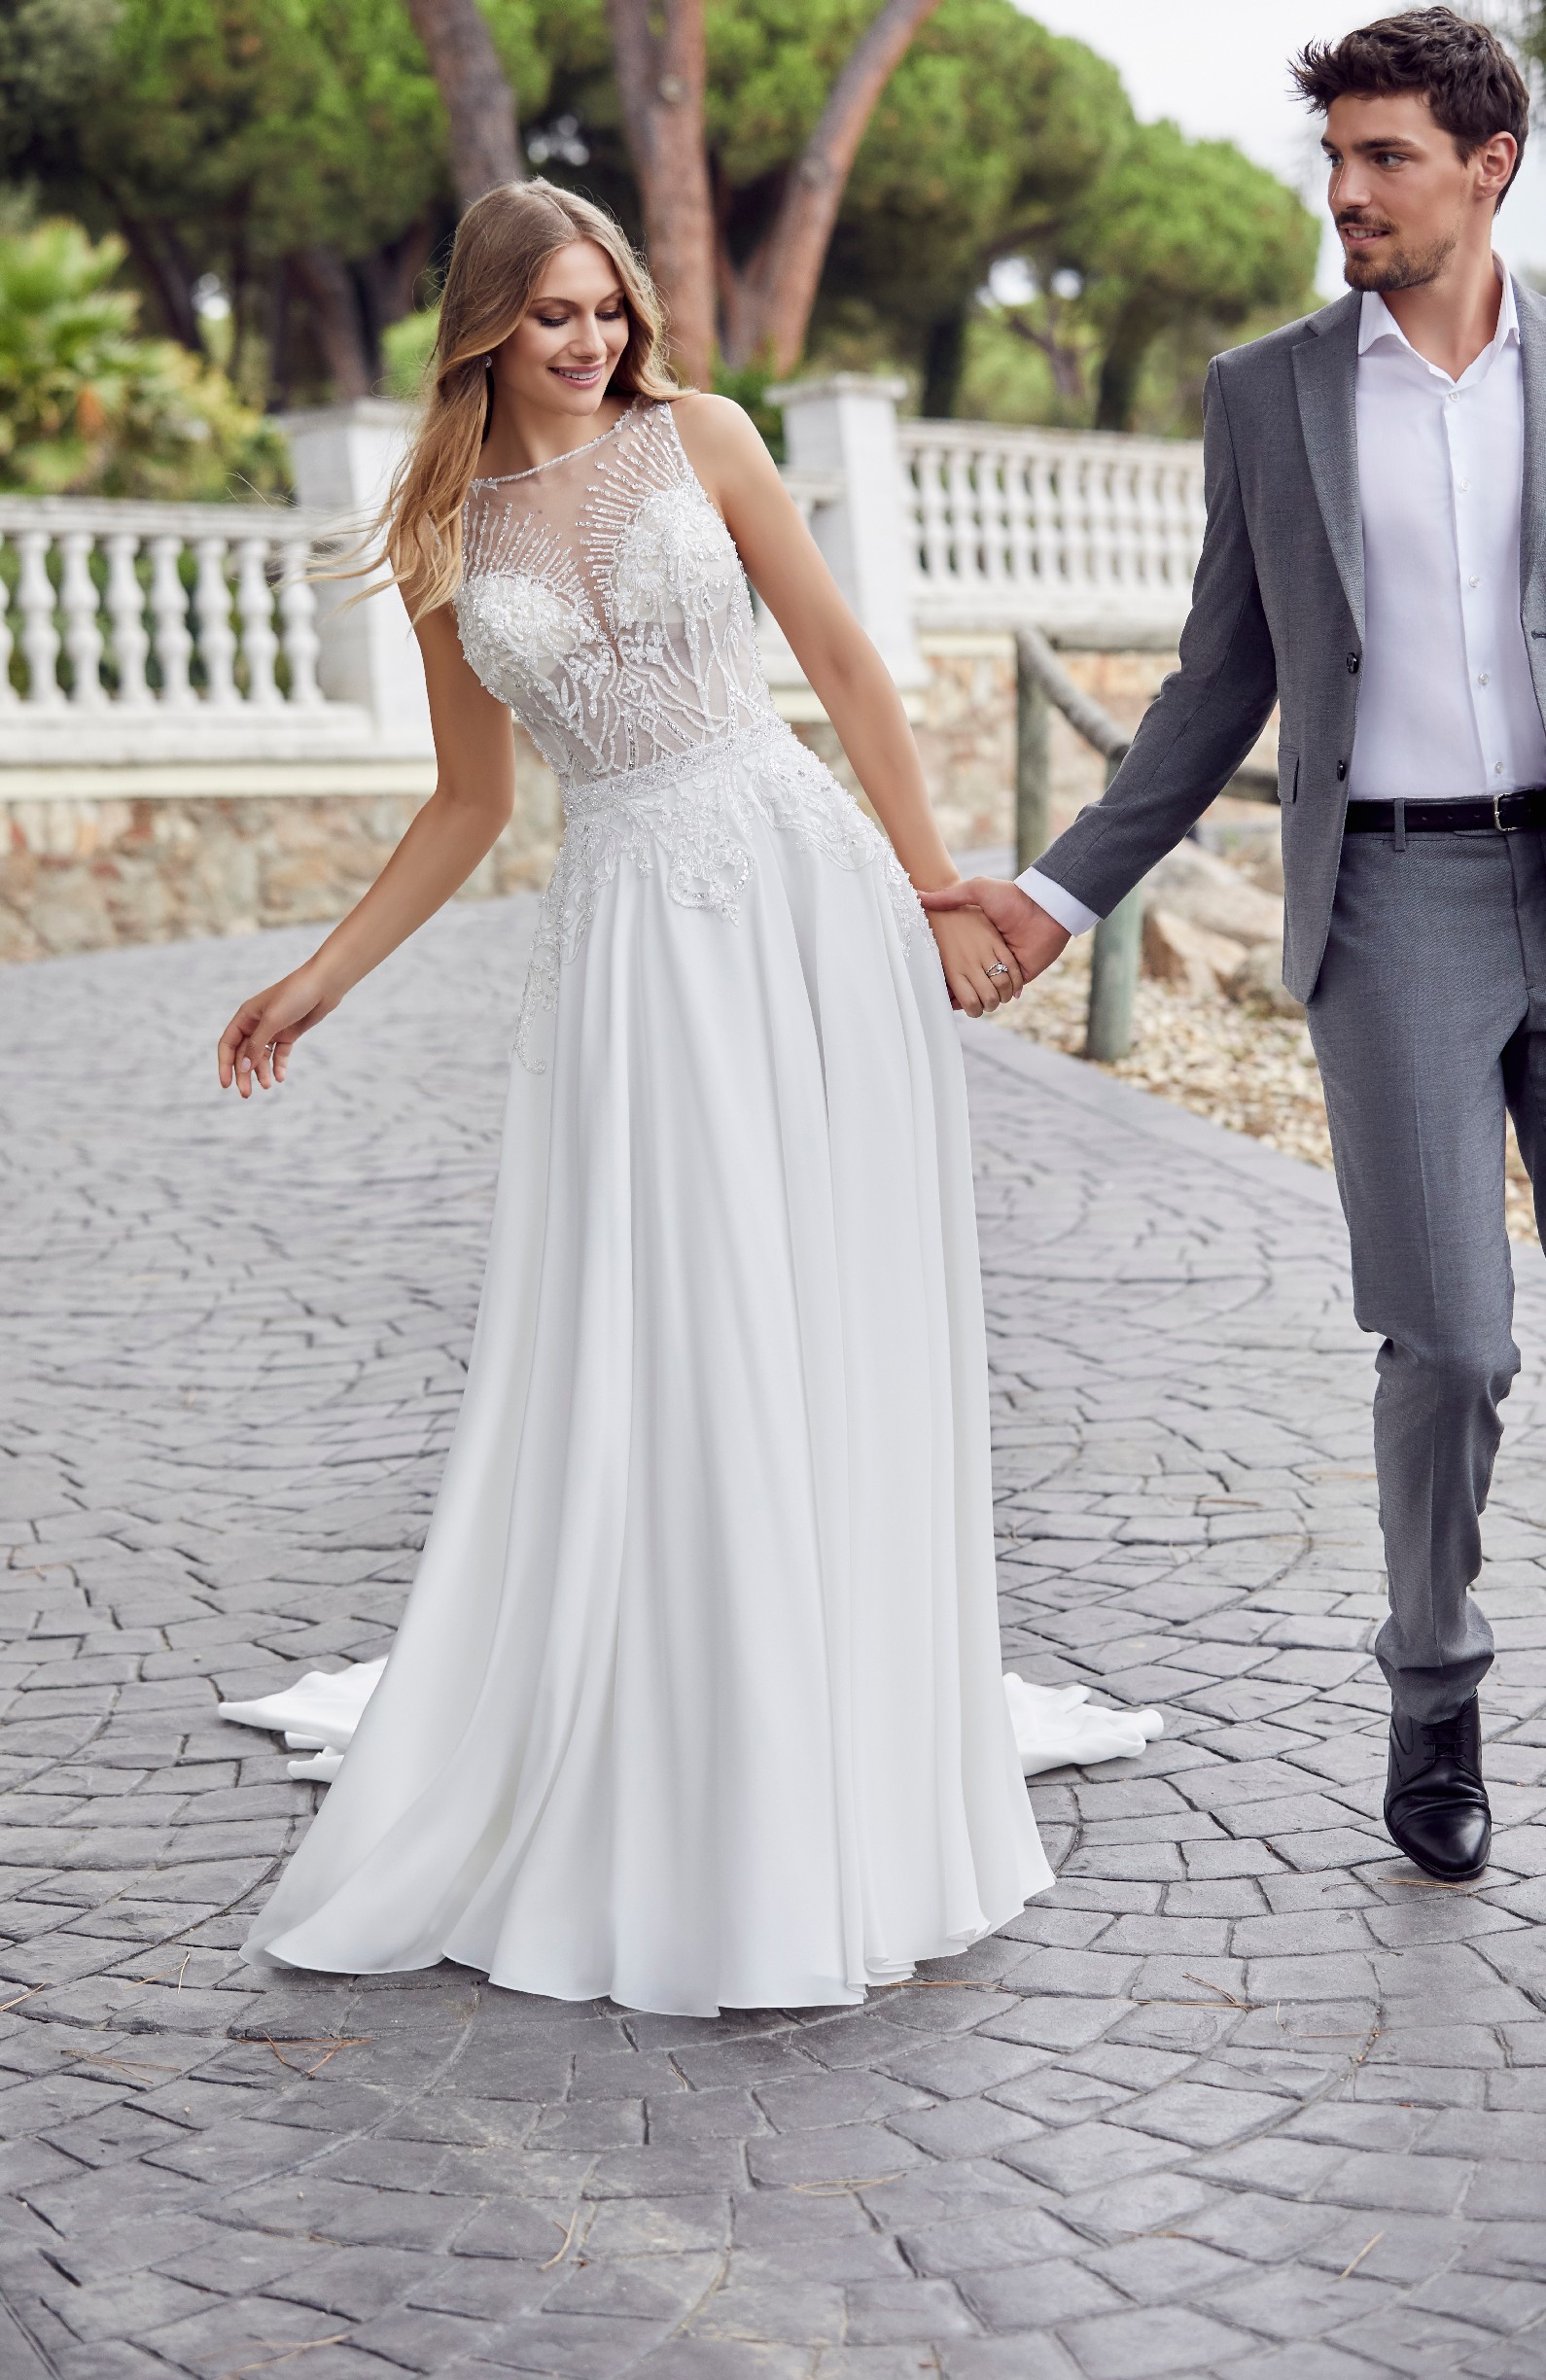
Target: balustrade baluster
[1095, 477]
[1073, 520]
[934, 526]
[1191, 520]
[1106, 521]
[78, 601]
[1046, 559]
[298, 612]
[255, 601]
[1139, 560]
[965, 527]
[1019, 504]
[126, 608]
[990, 472]
[217, 639]
[173, 643]
[40, 641]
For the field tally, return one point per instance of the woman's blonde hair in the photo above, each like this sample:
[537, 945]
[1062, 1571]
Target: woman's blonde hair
[504, 244]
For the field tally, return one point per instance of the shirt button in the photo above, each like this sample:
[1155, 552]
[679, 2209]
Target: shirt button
[1497, 768]
[1473, 583]
[1484, 677]
[1455, 395]
[1464, 486]
[1342, 770]
[1354, 665]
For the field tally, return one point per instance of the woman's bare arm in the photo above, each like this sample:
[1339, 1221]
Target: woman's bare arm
[474, 796]
[848, 676]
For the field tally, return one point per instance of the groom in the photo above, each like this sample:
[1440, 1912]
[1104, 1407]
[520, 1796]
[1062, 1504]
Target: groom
[1375, 561]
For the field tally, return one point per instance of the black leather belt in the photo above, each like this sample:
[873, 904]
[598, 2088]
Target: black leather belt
[1506, 811]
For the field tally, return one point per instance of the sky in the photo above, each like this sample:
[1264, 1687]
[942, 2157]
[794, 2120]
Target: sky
[1217, 67]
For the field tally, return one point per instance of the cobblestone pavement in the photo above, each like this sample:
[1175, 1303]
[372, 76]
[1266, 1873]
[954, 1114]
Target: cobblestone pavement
[1239, 2098]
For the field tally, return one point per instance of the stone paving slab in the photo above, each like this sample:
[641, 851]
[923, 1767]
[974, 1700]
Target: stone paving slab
[1242, 2098]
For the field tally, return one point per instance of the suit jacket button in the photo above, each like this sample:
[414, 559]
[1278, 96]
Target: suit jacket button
[1342, 770]
[1354, 665]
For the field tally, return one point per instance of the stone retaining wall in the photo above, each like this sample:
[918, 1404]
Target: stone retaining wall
[114, 864]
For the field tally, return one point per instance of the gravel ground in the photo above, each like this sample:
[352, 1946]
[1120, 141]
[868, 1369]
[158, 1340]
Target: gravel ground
[1251, 1071]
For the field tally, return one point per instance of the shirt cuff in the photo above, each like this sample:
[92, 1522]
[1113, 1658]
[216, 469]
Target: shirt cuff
[1070, 913]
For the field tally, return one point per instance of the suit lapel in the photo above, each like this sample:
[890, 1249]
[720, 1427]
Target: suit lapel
[1325, 379]
[1532, 373]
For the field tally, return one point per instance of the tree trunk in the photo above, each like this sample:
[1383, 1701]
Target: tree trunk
[1067, 364]
[658, 53]
[332, 302]
[479, 100]
[778, 289]
[1116, 403]
[944, 360]
[388, 277]
[161, 260]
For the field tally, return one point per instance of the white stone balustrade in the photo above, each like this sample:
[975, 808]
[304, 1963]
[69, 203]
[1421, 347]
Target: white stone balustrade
[122, 661]
[1080, 532]
[135, 634]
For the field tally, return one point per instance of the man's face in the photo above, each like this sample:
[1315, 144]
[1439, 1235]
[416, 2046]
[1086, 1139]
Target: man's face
[1401, 195]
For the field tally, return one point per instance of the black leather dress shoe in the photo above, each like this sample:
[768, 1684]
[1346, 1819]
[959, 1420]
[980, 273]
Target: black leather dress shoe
[1436, 1803]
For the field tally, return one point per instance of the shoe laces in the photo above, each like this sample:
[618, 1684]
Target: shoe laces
[1445, 1734]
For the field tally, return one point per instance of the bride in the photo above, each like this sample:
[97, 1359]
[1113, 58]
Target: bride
[696, 1699]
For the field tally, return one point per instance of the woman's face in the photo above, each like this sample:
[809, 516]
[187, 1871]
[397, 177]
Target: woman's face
[565, 348]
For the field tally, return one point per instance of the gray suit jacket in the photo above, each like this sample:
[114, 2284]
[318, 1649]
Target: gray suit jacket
[1278, 613]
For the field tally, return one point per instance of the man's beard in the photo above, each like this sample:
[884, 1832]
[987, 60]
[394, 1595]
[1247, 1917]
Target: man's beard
[1398, 268]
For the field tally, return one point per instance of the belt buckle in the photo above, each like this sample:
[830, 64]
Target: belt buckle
[1497, 815]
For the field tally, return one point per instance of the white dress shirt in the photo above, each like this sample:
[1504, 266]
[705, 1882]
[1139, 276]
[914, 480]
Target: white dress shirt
[1447, 707]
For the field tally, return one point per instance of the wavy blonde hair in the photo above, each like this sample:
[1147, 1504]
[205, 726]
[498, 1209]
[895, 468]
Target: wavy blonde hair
[504, 244]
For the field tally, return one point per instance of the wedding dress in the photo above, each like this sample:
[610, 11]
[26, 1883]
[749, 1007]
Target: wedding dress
[696, 1699]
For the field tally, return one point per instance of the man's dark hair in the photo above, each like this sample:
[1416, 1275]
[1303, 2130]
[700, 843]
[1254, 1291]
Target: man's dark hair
[1461, 69]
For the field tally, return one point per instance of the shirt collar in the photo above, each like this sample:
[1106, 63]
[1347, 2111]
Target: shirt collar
[1377, 323]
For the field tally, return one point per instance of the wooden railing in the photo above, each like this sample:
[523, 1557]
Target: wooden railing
[1042, 682]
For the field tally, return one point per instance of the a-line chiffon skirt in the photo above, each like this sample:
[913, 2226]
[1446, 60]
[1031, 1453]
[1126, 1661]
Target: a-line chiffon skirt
[696, 1699]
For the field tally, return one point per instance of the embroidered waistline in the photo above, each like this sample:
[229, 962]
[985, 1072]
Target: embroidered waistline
[587, 797]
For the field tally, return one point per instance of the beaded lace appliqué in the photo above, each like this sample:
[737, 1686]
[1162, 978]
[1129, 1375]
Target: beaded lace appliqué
[604, 602]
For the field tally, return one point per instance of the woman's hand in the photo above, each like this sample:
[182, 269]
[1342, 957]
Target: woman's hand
[969, 947]
[256, 1046]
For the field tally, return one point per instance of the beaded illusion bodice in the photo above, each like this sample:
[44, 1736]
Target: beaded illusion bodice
[602, 598]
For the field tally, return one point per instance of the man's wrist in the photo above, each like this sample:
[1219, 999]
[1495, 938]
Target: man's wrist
[1060, 905]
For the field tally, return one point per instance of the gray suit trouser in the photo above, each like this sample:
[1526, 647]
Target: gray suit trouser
[1428, 1017]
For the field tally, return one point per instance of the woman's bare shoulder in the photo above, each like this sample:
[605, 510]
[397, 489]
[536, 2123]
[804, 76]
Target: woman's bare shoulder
[715, 425]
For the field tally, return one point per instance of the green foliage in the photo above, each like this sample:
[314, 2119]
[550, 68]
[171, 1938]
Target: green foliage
[406, 347]
[749, 388]
[989, 131]
[240, 137]
[230, 137]
[86, 406]
[1178, 233]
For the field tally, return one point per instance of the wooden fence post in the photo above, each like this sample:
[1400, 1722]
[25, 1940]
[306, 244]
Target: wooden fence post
[1032, 761]
[1113, 972]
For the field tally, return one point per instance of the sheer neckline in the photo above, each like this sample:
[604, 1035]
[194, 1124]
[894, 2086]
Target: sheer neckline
[504, 478]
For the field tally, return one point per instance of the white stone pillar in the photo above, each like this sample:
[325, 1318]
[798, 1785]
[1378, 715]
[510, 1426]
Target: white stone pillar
[847, 424]
[344, 457]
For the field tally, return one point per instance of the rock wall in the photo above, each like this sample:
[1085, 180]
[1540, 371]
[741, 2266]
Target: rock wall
[87, 874]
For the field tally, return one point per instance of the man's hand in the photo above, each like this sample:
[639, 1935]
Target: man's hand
[1034, 939]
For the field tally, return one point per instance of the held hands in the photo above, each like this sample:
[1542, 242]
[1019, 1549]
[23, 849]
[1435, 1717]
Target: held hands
[1033, 938]
[255, 1046]
[981, 970]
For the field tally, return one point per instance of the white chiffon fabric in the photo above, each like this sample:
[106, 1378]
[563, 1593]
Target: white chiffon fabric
[1055, 1727]
[696, 1699]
